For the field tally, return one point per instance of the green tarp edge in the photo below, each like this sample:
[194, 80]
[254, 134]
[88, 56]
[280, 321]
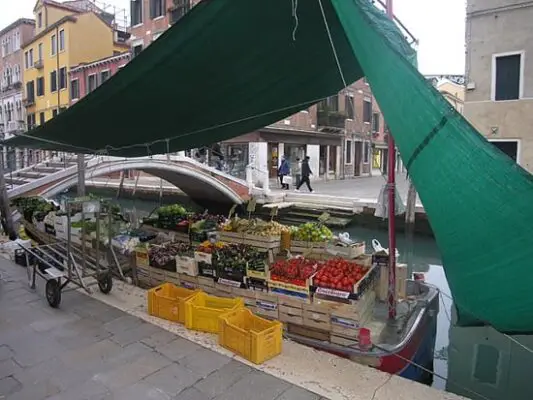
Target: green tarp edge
[477, 199]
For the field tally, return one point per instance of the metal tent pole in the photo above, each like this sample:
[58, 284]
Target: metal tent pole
[391, 180]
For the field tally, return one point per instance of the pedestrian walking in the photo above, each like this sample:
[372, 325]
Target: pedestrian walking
[306, 173]
[284, 170]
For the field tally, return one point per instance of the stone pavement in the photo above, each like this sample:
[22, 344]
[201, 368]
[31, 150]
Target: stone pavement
[87, 350]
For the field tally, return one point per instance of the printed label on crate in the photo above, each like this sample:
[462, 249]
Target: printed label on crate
[346, 323]
[332, 292]
[203, 257]
[208, 271]
[228, 282]
[187, 285]
[266, 305]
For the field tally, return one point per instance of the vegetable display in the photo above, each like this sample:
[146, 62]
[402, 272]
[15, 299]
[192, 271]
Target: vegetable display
[164, 256]
[255, 227]
[294, 270]
[339, 274]
[311, 232]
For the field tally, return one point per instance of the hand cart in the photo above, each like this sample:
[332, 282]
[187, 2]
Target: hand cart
[60, 264]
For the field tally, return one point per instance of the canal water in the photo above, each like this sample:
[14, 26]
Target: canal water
[478, 363]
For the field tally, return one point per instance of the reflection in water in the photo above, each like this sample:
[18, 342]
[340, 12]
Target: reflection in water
[475, 360]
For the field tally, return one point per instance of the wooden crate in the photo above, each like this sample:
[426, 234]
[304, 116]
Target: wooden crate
[365, 284]
[205, 282]
[299, 246]
[172, 277]
[344, 341]
[290, 310]
[186, 265]
[347, 319]
[350, 252]
[401, 281]
[249, 296]
[267, 309]
[318, 314]
[305, 331]
[231, 237]
[189, 282]
[262, 242]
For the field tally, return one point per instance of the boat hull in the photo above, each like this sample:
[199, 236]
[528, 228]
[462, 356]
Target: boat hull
[418, 351]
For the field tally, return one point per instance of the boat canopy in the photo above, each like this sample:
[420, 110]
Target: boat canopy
[232, 66]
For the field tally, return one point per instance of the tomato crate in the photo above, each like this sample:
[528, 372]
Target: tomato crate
[288, 289]
[252, 337]
[203, 311]
[358, 289]
[167, 301]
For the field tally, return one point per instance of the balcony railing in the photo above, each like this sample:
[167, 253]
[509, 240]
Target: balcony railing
[38, 64]
[28, 101]
[2, 131]
[331, 119]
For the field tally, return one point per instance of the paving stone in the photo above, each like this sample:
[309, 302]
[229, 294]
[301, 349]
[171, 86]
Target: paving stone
[89, 390]
[5, 353]
[95, 353]
[178, 349]
[122, 324]
[37, 391]
[50, 323]
[9, 367]
[159, 339]
[129, 374]
[257, 386]
[141, 391]
[298, 393]
[9, 385]
[220, 380]
[204, 361]
[41, 372]
[192, 394]
[173, 378]
[135, 334]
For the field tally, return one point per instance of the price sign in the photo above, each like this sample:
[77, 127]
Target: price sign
[232, 211]
[333, 293]
[228, 282]
[251, 205]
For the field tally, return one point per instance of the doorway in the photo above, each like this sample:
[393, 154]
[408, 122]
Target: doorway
[358, 158]
[272, 159]
[509, 147]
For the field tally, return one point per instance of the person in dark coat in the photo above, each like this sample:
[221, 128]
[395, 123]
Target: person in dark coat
[284, 170]
[306, 173]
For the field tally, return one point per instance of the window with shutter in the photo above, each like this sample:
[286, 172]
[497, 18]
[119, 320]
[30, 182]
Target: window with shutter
[507, 77]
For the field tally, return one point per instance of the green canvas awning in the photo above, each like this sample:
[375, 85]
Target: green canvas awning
[232, 66]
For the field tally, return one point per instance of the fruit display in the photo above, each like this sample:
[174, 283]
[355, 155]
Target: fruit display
[255, 226]
[311, 232]
[339, 274]
[208, 247]
[294, 270]
[27, 206]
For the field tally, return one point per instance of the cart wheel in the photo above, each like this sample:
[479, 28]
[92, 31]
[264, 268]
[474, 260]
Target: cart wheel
[105, 283]
[53, 292]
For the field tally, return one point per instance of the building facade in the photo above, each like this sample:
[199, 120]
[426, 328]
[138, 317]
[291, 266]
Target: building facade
[86, 77]
[499, 75]
[66, 34]
[150, 18]
[12, 111]
[344, 135]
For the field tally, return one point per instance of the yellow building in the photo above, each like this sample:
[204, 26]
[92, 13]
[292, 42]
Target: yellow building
[66, 34]
[453, 92]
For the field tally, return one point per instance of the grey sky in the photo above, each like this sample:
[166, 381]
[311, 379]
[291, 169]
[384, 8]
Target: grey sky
[438, 24]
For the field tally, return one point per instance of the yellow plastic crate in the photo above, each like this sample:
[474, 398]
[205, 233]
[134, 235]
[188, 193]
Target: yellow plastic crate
[250, 336]
[167, 301]
[202, 311]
